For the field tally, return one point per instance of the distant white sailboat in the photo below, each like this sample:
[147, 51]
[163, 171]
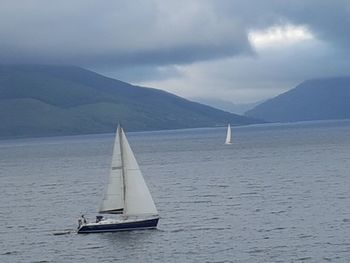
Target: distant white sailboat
[228, 135]
[126, 194]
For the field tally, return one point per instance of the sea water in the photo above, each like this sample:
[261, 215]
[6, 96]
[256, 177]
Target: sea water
[279, 193]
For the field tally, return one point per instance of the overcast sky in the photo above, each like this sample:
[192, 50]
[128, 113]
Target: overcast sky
[236, 50]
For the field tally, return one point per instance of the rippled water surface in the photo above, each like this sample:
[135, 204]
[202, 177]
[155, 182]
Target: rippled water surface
[279, 193]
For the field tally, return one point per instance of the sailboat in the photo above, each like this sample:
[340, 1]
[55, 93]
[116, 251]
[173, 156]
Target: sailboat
[228, 135]
[126, 194]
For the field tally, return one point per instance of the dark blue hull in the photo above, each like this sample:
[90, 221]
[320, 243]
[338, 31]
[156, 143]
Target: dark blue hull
[137, 225]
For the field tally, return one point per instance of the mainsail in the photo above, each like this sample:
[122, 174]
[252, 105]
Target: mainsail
[127, 191]
[113, 201]
[228, 135]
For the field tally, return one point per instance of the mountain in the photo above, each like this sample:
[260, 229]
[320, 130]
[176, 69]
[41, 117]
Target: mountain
[42, 100]
[317, 99]
[225, 105]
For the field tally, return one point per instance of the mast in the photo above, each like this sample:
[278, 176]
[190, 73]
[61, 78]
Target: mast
[123, 165]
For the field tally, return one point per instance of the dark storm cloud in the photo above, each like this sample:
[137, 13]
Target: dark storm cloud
[146, 34]
[115, 32]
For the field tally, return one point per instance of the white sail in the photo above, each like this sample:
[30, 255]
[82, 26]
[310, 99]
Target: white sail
[138, 199]
[228, 135]
[113, 201]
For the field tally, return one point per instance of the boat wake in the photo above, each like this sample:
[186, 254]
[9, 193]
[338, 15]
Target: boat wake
[66, 232]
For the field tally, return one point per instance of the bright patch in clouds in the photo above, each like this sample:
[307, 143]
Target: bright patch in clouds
[279, 35]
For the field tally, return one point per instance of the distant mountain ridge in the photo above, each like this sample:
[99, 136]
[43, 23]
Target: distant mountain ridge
[42, 100]
[316, 99]
[225, 105]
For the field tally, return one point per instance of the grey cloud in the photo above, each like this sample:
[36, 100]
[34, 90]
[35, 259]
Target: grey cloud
[123, 33]
[329, 20]
[116, 33]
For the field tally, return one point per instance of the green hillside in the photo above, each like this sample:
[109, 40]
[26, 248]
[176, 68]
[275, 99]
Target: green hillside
[46, 100]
